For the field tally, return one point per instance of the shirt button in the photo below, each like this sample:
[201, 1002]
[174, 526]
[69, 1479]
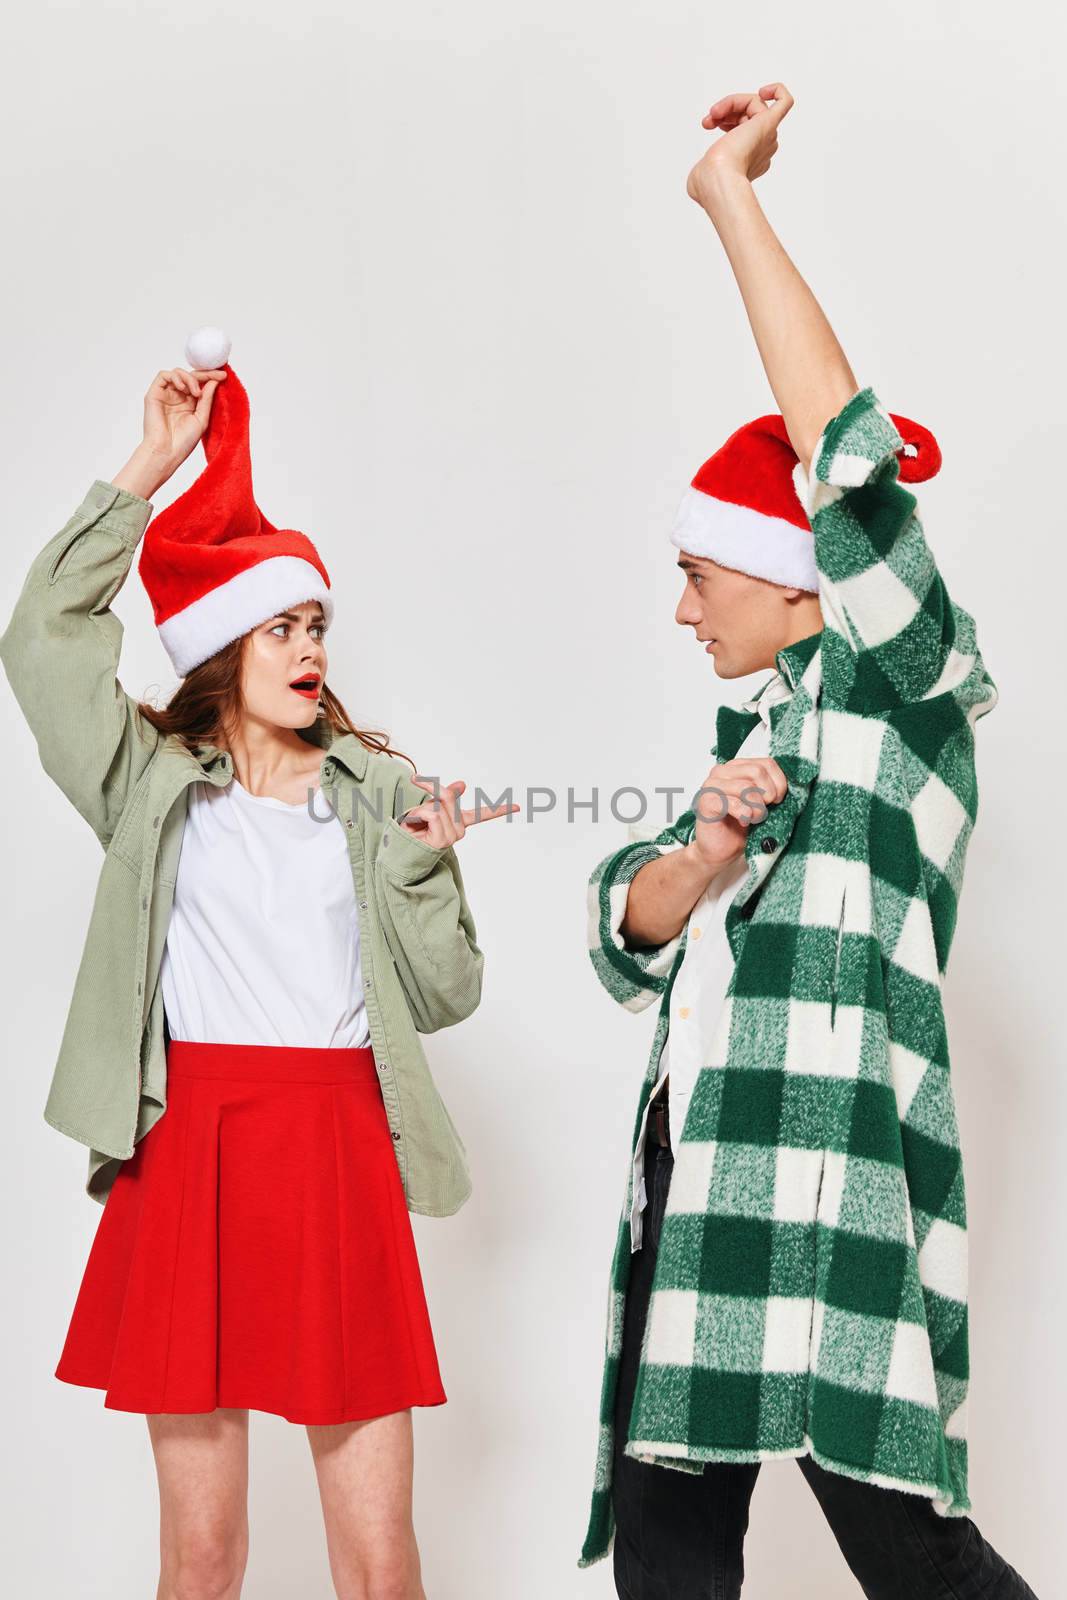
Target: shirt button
[155, 822]
[683, 1012]
[769, 845]
[695, 933]
[383, 1066]
[363, 905]
[396, 1135]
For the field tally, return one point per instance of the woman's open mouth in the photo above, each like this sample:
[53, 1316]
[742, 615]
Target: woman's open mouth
[308, 686]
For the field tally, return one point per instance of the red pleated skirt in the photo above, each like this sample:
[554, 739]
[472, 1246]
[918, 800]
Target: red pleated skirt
[256, 1249]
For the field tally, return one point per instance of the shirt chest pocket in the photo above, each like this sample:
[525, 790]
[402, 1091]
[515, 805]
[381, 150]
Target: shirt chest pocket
[150, 825]
[172, 828]
[127, 842]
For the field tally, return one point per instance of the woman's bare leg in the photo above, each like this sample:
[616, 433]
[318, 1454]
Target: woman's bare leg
[365, 1471]
[202, 1468]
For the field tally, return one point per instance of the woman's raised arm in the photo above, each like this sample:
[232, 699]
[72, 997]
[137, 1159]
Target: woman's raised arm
[60, 649]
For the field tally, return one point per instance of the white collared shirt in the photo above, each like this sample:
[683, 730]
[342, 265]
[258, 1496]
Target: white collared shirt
[703, 977]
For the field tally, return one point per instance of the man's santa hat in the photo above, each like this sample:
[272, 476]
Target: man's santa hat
[212, 564]
[743, 508]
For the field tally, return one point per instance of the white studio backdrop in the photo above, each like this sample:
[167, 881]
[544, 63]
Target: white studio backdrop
[487, 341]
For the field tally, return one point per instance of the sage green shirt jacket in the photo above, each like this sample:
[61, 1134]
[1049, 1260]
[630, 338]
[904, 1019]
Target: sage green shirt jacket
[421, 964]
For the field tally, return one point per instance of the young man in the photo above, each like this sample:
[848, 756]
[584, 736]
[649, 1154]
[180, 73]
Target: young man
[790, 1270]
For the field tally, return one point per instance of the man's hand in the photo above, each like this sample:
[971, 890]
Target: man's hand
[749, 124]
[733, 796]
[438, 821]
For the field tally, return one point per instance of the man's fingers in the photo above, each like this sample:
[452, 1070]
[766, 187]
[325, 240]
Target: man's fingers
[729, 109]
[752, 789]
[771, 779]
[764, 770]
[723, 805]
[757, 802]
[766, 767]
[734, 109]
[747, 809]
[780, 98]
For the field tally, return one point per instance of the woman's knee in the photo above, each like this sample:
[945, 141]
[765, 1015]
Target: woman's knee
[206, 1563]
[385, 1574]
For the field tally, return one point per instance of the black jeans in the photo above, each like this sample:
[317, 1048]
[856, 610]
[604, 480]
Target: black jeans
[680, 1536]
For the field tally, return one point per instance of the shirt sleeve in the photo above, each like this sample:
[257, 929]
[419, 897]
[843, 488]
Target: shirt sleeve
[427, 922]
[634, 975]
[60, 651]
[892, 634]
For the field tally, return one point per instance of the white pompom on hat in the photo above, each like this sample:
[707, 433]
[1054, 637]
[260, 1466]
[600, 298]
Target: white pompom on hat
[207, 347]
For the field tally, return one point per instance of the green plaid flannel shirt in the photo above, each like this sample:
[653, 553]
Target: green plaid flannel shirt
[810, 1293]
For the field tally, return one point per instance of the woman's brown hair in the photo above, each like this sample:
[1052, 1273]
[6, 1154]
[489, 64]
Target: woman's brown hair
[209, 699]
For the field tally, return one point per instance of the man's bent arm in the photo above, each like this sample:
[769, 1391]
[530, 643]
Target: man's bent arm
[663, 893]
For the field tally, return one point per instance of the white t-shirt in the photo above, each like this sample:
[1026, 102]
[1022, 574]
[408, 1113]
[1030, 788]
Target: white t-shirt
[263, 940]
[703, 977]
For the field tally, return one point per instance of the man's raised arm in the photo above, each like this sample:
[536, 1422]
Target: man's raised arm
[806, 367]
[893, 635]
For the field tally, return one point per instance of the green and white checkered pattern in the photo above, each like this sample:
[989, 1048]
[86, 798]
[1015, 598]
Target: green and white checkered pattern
[810, 1292]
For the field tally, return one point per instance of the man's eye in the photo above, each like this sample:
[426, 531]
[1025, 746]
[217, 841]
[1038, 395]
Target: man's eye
[278, 625]
[696, 579]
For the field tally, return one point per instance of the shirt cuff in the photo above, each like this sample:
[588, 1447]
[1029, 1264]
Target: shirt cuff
[403, 857]
[851, 449]
[120, 511]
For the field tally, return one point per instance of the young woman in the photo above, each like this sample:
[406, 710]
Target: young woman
[280, 913]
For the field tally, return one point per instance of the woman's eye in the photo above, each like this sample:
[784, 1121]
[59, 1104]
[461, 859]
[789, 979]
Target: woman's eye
[696, 579]
[316, 627]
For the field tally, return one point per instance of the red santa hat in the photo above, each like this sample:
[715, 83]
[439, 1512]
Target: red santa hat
[743, 508]
[212, 564]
